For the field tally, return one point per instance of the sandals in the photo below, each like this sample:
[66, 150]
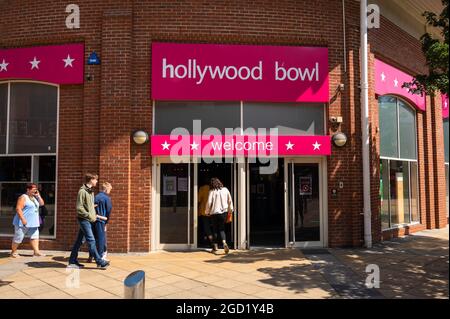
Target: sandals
[15, 255]
[39, 254]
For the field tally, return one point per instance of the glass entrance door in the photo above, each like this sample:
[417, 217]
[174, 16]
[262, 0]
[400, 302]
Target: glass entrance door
[175, 202]
[180, 189]
[266, 218]
[304, 198]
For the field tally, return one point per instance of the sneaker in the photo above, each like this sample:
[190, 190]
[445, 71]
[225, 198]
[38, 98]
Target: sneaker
[103, 265]
[225, 248]
[76, 264]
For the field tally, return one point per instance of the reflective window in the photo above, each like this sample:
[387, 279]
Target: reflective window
[289, 118]
[446, 137]
[33, 116]
[15, 169]
[388, 126]
[221, 115]
[399, 183]
[446, 150]
[384, 193]
[3, 116]
[32, 109]
[407, 131]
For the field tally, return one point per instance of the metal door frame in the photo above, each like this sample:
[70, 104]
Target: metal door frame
[157, 207]
[323, 200]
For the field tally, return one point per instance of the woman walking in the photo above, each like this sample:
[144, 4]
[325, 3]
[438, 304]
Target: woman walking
[26, 220]
[218, 205]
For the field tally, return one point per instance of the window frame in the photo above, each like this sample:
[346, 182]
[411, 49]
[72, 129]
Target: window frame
[408, 160]
[34, 155]
[322, 106]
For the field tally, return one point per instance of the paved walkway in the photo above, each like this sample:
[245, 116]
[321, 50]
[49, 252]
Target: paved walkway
[413, 267]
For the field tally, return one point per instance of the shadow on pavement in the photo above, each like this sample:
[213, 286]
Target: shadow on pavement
[252, 256]
[411, 267]
[5, 283]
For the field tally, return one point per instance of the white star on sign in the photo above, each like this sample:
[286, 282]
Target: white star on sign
[316, 146]
[396, 82]
[3, 66]
[383, 77]
[194, 146]
[35, 63]
[289, 146]
[165, 145]
[68, 61]
[445, 103]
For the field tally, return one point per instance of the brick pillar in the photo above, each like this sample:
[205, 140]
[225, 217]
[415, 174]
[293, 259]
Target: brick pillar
[440, 213]
[375, 202]
[428, 195]
[114, 123]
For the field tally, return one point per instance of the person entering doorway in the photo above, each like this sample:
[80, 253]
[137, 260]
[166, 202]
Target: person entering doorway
[218, 206]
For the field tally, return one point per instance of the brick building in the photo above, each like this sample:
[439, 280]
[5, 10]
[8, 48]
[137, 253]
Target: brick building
[61, 116]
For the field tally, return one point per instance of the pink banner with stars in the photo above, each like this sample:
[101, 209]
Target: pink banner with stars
[444, 105]
[239, 145]
[389, 80]
[58, 64]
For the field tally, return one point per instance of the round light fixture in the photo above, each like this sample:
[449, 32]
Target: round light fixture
[140, 137]
[339, 139]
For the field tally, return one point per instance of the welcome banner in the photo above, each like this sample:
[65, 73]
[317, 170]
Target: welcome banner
[239, 72]
[239, 145]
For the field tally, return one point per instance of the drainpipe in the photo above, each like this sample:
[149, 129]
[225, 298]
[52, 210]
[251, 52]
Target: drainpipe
[365, 126]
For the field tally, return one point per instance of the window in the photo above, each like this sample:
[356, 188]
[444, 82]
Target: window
[289, 118]
[28, 122]
[32, 119]
[446, 150]
[221, 115]
[399, 185]
[3, 116]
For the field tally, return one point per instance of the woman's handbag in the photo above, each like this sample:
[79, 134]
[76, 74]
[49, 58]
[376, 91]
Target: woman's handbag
[229, 218]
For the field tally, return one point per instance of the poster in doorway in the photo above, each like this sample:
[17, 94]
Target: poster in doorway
[182, 184]
[169, 185]
[305, 185]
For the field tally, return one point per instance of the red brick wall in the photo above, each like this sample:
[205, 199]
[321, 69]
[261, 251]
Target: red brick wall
[98, 118]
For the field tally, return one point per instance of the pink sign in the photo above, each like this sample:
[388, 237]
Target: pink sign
[239, 72]
[239, 145]
[59, 64]
[444, 105]
[389, 80]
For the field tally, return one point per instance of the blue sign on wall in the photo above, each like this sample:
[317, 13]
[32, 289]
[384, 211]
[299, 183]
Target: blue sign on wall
[93, 58]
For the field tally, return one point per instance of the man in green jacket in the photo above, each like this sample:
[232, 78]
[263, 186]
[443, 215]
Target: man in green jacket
[86, 216]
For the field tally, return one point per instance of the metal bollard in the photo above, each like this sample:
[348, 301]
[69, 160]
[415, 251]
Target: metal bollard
[135, 285]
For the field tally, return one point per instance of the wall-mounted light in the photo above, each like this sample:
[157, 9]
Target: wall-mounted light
[140, 137]
[339, 139]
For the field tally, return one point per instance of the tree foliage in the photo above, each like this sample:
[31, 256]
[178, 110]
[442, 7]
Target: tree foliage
[436, 54]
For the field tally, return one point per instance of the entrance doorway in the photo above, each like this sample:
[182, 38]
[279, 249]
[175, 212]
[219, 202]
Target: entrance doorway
[226, 174]
[305, 202]
[179, 224]
[282, 208]
[266, 206]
